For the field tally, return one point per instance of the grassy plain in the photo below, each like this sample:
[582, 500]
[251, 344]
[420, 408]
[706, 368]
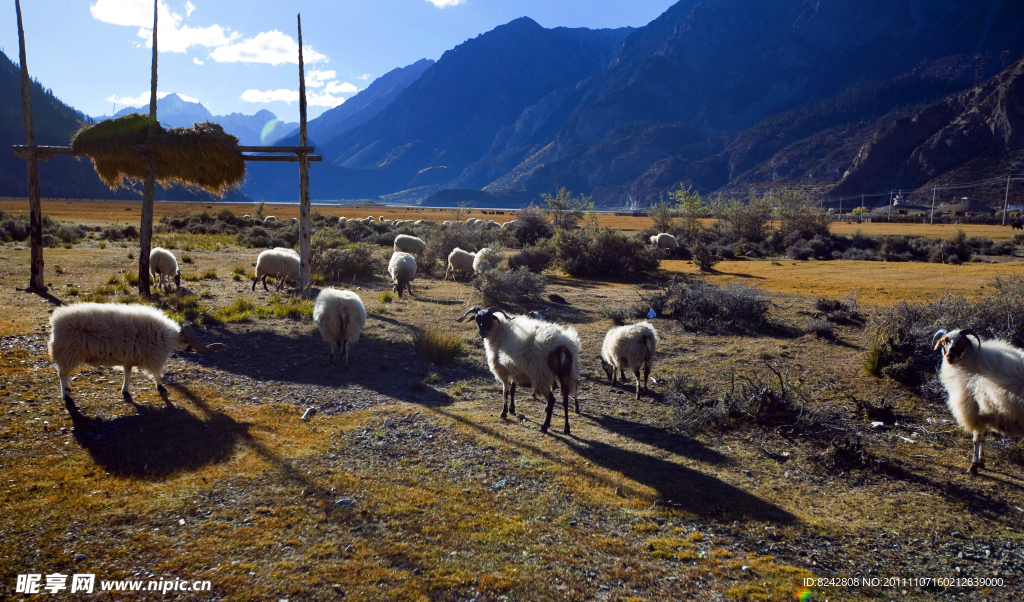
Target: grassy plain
[224, 481]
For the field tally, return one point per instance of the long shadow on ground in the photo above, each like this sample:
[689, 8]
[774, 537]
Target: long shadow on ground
[664, 439]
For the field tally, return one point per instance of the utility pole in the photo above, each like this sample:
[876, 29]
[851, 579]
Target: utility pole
[932, 220]
[149, 186]
[1006, 199]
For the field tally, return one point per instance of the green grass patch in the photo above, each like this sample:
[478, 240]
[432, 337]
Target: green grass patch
[437, 345]
[294, 309]
[239, 311]
[387, 297]
[209, 275]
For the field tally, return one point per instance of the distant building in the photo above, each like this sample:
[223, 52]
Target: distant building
[963, 206]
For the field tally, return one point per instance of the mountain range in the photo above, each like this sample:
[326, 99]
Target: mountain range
[843, 98]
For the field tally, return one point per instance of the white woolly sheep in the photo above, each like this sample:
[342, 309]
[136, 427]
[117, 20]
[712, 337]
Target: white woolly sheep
[459, 261]
[162, 264]
[246, 216]
[129, 336]
[340, 317]
[985, 386]
[486, 259]
[279, 263]
[509, 224]
[269, 218]
[409, 244]
[530, 353]
[342, 220]
[665, 241]
[446, 223]
[630, 347]
[402, 268]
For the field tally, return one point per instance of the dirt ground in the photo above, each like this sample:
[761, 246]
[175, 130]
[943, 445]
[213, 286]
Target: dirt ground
[406, 485]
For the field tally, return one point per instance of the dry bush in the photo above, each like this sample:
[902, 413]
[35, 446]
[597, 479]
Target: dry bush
[359, 260]
[701, 305]
[437, 345]
[534, 259]
[603, 252]
[502, 285]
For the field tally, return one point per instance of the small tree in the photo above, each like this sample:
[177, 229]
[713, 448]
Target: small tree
[746, 221]
[565, 210]
[691, 209]
[704, 257]
[799, 217]
[662, 214]
[459, 212]
[259, 209]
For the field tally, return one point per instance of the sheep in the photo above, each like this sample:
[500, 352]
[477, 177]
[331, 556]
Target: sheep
[116, 335]
[409, 244]
[340, 317]
[269, 218]
[402, 268]
[294, 220]
[280, 263]
[530, 353]
[664, 241]
[459, 261]
[630, 347]
[342, 221]
[382, 220]
[509, 224]
[485, 260]
[446, 223]
[162, 264]
[985, 386]
[246, 216]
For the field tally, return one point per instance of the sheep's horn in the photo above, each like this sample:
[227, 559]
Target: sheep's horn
[967, 332]
[472, 310]
[190, 337]
[494, 309]
[935, 337]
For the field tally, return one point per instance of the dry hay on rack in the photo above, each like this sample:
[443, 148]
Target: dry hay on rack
[202, 156]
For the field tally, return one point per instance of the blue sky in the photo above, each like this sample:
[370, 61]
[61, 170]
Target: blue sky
[236, 56]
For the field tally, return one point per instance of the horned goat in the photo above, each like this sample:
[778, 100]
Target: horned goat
[280, 263]
[985, 386]
[340, 317]
[162, 264]
[402, 268]
[129, 336]
[630, 347]
[459, 261]
[409, 244]
[530, 353]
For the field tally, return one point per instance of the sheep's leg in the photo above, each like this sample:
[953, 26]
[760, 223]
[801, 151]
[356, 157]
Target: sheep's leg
[551, 408]
[344, 349]
[334, 352]
[647, 377]
[127, 379]
[622, 372]
[565, 406]
[636, 373]
[65, 386]
[512, 398]
[978, 460]
[504, 398]
[159, 382]
[265, 284]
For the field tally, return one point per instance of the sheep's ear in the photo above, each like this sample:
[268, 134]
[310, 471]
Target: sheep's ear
[936, 341]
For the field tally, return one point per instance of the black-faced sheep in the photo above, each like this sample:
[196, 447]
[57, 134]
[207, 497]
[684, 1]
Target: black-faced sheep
[402, 268]
[279, 263]
[459, 261]
[985, 384]
[340, 317]
[163, 265]
[632, 347]
[129, 336]
[409, 244]
[530, 353]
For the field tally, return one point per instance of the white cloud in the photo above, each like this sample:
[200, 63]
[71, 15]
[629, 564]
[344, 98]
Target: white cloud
[364, 76]
[282, 95]
[197, 61]
[323, 100]
[189, 9]
[143, 99]
[174, 37]
[317, 78]
[272, 47]
[342, 88]
[446, 3]
[185, 98]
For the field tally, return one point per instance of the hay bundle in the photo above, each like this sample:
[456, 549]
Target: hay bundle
[202, 156]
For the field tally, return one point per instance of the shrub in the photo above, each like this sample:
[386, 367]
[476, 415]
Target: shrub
[603, 252]
[620, 314]
[441, 242]
[534, 259]
[531, 226]
[704, 257]
[119, 232]
[701, 305]
[356, 261]
[437, 345]
[820, 328]
[502, 285]
[386, 297]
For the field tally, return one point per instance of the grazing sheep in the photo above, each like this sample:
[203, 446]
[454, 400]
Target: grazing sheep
[446, 223]
[294, 220]
[530, 353]
[340, 317]
[509, 224]
[985, 386]
[279, 263]
[402, 268]
[246, 216]
[630, 347]
[665, 241]
[269, 218]
[129, 336]
[409, 244]
[459, 261]
[162, 264]
[418, 222]
[486, 259]
[342, 221]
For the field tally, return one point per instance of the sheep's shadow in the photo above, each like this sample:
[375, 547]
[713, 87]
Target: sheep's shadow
[375, 364]
[663, 439]
[156, 443]
[680, 487]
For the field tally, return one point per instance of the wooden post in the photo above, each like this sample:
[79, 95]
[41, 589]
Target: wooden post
[35, 207]
[1006, 199]
[306, 280]
[149, 187]
[932, 220]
